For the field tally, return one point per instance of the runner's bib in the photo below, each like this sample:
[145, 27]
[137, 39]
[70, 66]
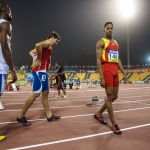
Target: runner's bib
[113, 56]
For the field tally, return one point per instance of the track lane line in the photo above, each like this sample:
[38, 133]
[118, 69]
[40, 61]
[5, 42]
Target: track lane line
[65, 117]
[77, 138]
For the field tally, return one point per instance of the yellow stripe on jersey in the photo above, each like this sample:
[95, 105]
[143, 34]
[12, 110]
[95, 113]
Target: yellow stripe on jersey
[105, 46]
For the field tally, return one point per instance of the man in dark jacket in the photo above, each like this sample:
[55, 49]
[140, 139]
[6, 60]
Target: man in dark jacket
[61, 74]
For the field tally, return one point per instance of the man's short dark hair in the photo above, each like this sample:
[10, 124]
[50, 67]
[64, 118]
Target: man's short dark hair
[55, 35]
[2, 4]
[107, 24]
[58, 63]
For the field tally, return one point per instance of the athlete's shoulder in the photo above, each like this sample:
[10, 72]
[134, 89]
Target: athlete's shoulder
[6, 28]
[105, 40]
[43, 44]
[5, 25]
[115, 42]
[100, 43]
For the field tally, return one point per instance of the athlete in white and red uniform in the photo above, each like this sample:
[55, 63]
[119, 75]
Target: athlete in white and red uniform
[40, 72]
[6, 62]
[40, 66]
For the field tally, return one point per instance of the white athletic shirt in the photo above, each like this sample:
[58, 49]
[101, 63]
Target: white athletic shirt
[4, 69]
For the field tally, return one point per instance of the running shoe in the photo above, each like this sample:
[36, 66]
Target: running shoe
[24, 121]
[100, 118]
[116, 129]
[65, 96]
[2, 137]
[57, 97]
[53, 118]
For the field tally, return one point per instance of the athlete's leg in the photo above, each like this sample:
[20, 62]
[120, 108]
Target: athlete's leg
[3, 80]
[116, 86]
[64, 91]
[28, 103]
[115, 93]
[36, 92]
[45, 103]
[115, 127]
[2, 137]
[109, 92]
[113, 97]
[109, 84]
[58, 92]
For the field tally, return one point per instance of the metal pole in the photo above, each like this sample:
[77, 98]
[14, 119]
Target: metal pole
[128, 45]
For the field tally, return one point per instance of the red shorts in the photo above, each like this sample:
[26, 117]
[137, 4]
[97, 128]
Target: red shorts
[110, 73]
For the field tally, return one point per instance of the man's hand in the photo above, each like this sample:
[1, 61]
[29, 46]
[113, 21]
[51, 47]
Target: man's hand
[37, 63]
[125, 79]
[13, 76]
[102, 82]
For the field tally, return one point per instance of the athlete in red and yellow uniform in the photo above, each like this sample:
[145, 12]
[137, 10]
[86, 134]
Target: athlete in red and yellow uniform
[108, 62]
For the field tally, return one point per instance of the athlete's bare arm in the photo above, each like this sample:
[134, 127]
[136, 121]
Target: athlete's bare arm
[99, 47]
[5, 32]
[32, 53]
[122, 70]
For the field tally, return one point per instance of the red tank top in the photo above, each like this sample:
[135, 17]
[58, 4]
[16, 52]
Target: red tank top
[45, 60]
[110, 52]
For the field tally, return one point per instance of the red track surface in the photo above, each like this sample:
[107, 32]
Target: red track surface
[77, 129]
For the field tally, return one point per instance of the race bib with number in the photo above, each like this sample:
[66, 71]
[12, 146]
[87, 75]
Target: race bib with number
[113, 56]
[43, 77]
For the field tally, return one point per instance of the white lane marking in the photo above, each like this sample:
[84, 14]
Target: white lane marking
[120, 102]
[70, 97]
[83, 115]
[83, 90]
[36, 102]
[120, 93]
[43, 108]
[77, 138]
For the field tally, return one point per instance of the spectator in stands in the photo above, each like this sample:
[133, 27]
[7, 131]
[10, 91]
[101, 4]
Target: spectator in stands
[71, 82]
[78, 83]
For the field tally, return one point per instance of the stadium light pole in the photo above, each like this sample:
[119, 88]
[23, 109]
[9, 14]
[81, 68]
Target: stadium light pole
[127, 8]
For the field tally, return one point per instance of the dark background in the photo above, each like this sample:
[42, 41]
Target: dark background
[80, 25]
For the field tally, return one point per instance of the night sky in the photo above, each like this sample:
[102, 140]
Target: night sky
[80, 25]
